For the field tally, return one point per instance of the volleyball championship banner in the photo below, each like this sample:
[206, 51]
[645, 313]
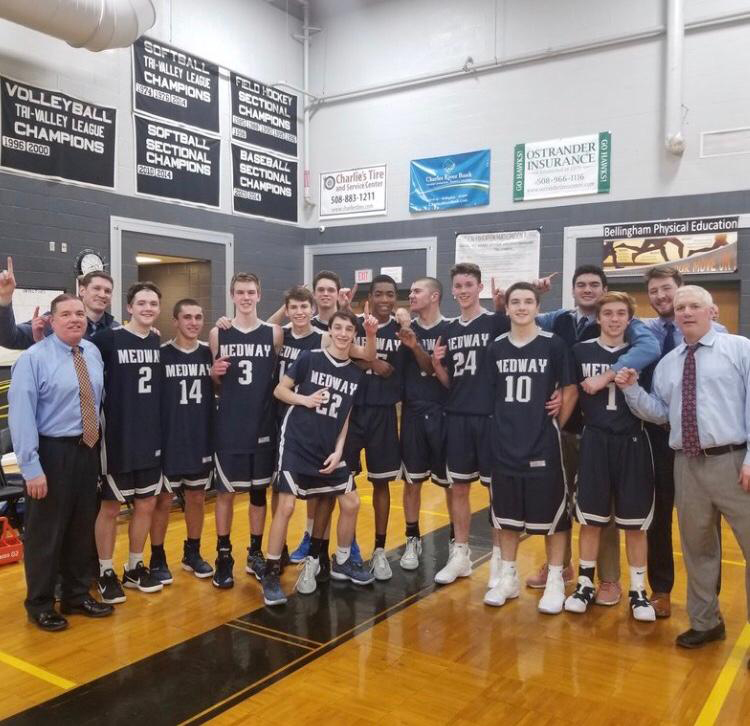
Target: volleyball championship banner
[263, 115]
[51, 134]
[562, 167]
[177, 163]
[448, 182]
[353, 192]
[175, 85]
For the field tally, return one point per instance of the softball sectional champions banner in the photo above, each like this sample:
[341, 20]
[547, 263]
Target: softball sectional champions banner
[447, 182]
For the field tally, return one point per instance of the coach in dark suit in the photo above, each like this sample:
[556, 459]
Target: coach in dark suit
[54, 398]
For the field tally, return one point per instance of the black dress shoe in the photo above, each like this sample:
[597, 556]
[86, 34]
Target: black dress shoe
[49, 621]
[696, 638]
[88, 607]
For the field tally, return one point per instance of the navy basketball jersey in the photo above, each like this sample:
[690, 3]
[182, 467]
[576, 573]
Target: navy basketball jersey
[466, 361]
[376, 390]
[525, 439]
[293, 345]
[318, 324]
[418, 386]
[245, 392]
[132, 400]
[308, 435]
[187, 397]
[607, 409]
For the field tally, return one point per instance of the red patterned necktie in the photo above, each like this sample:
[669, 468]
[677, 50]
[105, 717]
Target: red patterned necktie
[89, 419]
[691, 444]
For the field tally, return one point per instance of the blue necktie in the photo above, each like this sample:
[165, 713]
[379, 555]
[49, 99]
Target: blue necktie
[668, 343]
[581, 326]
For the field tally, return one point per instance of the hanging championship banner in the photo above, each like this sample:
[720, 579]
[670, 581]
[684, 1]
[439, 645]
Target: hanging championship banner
[562, 167]
[694, 246]
[506, 257]
[447, 182]
[175, 85]
[263, 184]
[263, 115]
[353, 192]
[49, 133]
[176, 163]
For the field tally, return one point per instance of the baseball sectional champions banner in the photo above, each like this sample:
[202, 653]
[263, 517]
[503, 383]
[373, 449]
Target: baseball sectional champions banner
[447, 182]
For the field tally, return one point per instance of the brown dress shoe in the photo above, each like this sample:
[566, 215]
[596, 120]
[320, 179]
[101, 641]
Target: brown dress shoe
[661, 604]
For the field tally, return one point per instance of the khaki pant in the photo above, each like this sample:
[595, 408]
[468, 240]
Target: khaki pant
[706, 486]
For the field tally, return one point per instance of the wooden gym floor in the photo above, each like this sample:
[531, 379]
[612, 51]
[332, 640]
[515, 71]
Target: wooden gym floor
[402, 652]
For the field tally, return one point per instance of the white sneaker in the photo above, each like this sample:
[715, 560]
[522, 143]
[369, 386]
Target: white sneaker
[459, 565]
[306, 582]
[582, 598]
[410, 558]
[507, 588]
[451, 545]
[379, 565]
[640, 606]
[554, 596]
[496, 566]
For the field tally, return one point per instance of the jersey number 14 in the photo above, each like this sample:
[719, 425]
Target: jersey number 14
[194, 394]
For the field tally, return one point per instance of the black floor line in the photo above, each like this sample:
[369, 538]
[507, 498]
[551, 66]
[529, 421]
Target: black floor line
[194, 681]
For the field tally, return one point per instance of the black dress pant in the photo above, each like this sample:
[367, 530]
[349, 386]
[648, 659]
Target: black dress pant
[59, 527]
[660, 557]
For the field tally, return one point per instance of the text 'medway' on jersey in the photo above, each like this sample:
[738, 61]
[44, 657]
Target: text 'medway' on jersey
[466, 361]
[526, 439]
[308, 435]
[132, 400]
[293, 345]
[418, 386]
[246, 388]
[376, 390]
[607, 409]
[187, 409]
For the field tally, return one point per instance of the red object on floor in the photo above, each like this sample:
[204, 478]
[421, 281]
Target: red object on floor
[11, 547]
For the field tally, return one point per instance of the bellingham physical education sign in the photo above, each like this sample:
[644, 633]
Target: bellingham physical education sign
[353, 192]
[447, 182]
[562, 167]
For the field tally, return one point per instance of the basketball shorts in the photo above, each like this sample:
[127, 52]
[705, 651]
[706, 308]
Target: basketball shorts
[196, 481]
[615, 468]
[242, 472]
[306, 486]
[535, 504]
[138, 484]
[423, 443]
[373, 428]
[468, 448]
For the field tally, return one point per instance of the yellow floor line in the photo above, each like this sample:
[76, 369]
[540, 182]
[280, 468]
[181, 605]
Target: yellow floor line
[715, 701]
[33, 670]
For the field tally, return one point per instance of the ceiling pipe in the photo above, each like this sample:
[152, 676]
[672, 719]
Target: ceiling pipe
[674, 139]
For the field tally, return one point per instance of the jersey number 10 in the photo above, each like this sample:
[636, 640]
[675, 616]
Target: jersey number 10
[517, 389]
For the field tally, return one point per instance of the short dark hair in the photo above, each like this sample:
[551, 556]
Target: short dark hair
[64, 297]
[347, 315]
[660, 273]
[522, 286]
[387, 279]
[244, 277]
[133, 290]
[177, 309]
[84, 280]
[298, 293]
[590, 270]
[435, 284]
[327, 275]
[467, 268]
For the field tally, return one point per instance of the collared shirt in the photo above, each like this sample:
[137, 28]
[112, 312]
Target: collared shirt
[722, 364]
[44, 398]
[658, 326]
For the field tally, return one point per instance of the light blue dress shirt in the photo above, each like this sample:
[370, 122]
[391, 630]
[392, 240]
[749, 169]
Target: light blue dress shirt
[722, 384]
[657, 327]
[44, 397]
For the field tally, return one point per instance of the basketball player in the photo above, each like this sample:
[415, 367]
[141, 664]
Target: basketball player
[327, 293]
[131, 450]
[319, 389]
[615, 463]
[528, 491]
[243, 370]
[187, 447]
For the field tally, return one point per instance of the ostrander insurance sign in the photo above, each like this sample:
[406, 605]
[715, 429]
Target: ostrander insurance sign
[562, 167]
[353, 192]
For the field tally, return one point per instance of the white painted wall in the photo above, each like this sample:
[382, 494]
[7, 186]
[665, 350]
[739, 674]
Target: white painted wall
[247, 36]
[619, 89]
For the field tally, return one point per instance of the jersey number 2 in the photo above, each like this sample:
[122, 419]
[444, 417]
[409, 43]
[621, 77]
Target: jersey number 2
[144, 379]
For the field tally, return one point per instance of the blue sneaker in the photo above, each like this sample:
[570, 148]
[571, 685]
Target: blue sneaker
[303, 549]
[256, 564]
[352, 571]
[223, 578]
[160, 571]
[355, 554]
[272, 592]
[193, 562]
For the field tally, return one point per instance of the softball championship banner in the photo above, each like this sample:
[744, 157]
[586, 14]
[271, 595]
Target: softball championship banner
[177, 86]
[562, 167]
[506, 257]
[176, 163]
[353, 192]
[58, 136]
[264, 184]
[263, 115]
[694, 246]
[447, 182]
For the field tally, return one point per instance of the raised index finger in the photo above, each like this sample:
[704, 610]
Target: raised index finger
[10, 265]
[367, 306]
[354, 289]
[36, 312]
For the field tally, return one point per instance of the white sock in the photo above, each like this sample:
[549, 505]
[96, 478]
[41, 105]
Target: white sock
[133, 559]
[496, 554]
[638, 578]
[342, 554]
[309, 526]
[269, 556]
[554, 572]
[105, 565]
[509, 566]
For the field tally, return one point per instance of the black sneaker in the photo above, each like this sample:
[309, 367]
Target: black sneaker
[193, 562]
[256, 564]
[272, 592]
[223, 577]
[324, 574]
[160, 570]
[140, 578]
[284, 561]
[110, 588]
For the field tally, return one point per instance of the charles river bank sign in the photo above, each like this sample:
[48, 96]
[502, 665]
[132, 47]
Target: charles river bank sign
[562, 167]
